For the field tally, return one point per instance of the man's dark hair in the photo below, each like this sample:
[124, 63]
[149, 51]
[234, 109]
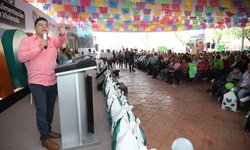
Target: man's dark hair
[63, 50]
[218, 57]
[39, 19]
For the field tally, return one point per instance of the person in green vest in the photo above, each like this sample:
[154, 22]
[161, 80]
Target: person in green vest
[218, 64]
[211, 61]
[120, 59]
[217, 68]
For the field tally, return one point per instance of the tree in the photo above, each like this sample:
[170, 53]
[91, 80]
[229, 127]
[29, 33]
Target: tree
[247, 33]
[237, 32]
[234, 32]
[215, 35]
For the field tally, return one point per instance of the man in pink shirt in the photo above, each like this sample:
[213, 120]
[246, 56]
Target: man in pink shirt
[39, 52]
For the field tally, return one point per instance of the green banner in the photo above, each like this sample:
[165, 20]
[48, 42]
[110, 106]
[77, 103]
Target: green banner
[192, 70]
[221, 48]
[162, 48]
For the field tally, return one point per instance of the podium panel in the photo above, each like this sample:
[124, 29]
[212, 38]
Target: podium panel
[76, 108]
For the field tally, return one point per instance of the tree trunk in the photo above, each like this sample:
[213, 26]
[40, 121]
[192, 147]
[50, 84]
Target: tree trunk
[218, 41]
[248, 38]
[179, 38]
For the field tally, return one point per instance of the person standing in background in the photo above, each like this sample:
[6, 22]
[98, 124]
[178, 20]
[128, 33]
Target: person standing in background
[39, 52]
[114, 59]
[131, 60]
[109, 57]
[126, 57]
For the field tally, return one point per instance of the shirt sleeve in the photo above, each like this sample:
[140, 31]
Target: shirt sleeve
[58, 41]
[25, 54]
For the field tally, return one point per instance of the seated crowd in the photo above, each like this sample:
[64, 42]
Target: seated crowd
[217, 68]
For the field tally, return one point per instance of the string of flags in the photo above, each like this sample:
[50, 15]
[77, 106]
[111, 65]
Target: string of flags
[147, 15]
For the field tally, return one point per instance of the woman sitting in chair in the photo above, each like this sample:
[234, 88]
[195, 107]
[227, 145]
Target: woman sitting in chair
[234, 77]
[202, 70]
[243, 87]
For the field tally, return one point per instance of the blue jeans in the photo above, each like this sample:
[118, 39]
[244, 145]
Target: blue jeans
[241, 92]
[44, 97]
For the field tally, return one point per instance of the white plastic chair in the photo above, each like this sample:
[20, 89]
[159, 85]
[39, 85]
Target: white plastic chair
[182, 144]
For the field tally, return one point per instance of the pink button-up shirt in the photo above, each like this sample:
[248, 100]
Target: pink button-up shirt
[40, 64]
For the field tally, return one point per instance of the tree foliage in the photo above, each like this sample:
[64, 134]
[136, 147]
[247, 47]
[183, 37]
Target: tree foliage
[236, 33]
[215, 35]
[247, 33]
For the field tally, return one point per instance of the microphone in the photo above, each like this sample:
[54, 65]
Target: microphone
[45, 38]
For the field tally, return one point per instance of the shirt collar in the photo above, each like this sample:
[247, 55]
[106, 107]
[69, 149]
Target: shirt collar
[35, 36]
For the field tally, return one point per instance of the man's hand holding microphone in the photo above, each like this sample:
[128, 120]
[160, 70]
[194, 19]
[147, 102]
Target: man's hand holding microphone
[44, 42]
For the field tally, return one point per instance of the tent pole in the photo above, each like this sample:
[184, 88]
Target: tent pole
[243, 37]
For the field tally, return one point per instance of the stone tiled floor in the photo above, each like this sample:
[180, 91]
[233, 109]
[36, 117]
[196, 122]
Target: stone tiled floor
[168, 112]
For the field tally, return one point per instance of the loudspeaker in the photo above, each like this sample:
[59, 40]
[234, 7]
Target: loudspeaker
[213, 46]
[208, 45]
